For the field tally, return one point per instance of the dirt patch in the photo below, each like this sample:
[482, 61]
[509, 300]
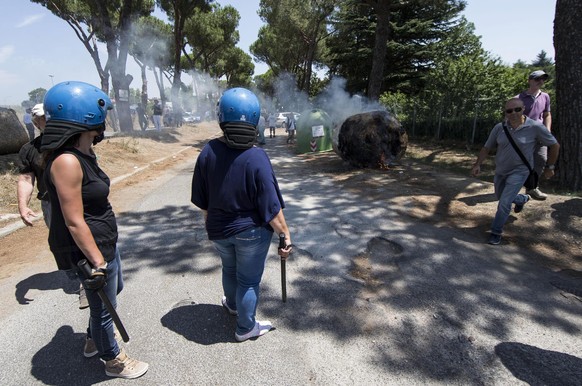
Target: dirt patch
[431, 185]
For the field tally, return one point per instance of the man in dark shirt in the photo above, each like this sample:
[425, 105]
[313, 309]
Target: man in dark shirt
[31, 171]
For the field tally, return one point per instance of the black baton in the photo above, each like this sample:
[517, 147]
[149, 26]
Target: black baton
[86, 270]
[283, 269]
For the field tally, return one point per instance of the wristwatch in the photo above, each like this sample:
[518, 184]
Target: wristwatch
[550, 167]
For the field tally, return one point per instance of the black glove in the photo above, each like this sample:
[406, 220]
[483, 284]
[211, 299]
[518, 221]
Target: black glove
[97, 280]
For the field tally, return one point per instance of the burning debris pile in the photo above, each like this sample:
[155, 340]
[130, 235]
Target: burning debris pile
[372, 139]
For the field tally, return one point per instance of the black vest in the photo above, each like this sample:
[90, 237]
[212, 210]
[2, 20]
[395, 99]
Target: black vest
[97, 212]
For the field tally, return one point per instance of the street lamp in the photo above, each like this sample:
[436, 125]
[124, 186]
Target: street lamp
[52, 81]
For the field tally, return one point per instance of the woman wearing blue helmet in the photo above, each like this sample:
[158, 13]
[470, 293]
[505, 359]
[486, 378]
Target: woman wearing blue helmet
[235, 186]
[83, 224]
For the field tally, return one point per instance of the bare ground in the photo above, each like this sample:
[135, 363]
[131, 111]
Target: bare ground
[424, 187]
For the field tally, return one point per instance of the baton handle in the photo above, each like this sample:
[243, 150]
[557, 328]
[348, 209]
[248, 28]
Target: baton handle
[283, 269]
[85, 268]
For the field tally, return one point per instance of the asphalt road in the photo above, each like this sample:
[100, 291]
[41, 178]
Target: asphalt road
[444, 307]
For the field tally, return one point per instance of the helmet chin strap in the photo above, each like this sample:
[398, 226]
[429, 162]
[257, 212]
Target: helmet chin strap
[99, 138]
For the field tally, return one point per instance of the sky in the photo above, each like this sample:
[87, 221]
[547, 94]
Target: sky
[37, 49]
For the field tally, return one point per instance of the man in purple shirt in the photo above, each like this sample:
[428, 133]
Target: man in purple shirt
[537, 107]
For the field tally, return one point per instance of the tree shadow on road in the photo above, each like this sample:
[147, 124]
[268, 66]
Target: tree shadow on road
[167, 238]
[536, 366]
[432, 309]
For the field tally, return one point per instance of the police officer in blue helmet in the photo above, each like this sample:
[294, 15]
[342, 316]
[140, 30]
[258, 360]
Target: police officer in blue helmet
[83, 225]
[235, 186]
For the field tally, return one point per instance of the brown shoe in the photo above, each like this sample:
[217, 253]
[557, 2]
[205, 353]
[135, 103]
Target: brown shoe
[90, 349]
[125, 367]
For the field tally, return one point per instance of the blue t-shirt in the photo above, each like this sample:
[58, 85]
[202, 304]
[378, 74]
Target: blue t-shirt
[238, 188]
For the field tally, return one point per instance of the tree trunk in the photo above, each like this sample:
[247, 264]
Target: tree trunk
[117, 50]
[380, 49]
[178, 44]
[568, 128]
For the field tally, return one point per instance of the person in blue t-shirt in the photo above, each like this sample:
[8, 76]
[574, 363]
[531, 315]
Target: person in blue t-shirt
[235, 186]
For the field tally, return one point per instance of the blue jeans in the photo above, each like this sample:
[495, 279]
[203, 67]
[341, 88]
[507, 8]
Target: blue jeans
[507, 192]
[243, 262]
[100, 322]
[261, 135]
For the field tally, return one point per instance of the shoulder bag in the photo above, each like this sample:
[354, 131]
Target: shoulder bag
[533, 178]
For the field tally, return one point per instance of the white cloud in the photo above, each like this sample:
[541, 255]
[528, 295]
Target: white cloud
[29, 20]
[5, 53]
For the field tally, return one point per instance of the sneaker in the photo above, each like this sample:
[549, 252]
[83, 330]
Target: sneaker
[494, 239]
[125, 367]
[261, 328]
[83, 302]
[537, 194]
[225, 305]
[519, 207]
[90, 349]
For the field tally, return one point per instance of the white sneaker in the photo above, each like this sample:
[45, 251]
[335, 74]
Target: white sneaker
[537, 194]
[261, 328]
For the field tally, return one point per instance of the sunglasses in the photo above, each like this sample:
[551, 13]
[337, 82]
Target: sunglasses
[517, 110]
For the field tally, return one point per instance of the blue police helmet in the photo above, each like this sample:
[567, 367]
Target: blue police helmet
[239, 105]
[78, 103]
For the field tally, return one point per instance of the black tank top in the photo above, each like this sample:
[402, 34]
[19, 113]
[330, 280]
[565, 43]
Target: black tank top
[97, 212]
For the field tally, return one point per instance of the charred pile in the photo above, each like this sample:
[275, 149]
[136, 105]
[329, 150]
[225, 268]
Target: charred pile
[372, 139]
[12, 132]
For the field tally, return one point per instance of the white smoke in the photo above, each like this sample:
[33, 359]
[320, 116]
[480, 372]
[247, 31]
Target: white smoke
[339, 104]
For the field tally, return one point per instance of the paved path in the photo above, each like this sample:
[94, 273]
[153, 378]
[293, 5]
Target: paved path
[443, 307]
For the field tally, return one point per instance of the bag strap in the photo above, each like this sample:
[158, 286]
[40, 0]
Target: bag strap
[517, 149]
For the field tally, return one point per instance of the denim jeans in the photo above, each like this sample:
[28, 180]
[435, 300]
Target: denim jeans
[100, 322]
[243, 262]
[540, 158]
[507, 192]
[261, 135]
[46, 211]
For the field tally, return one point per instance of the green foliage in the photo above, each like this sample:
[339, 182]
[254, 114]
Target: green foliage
[414, 34]
[462, 94]
[37, 95]
[399, 104]
[293, 38]
[212, 37]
